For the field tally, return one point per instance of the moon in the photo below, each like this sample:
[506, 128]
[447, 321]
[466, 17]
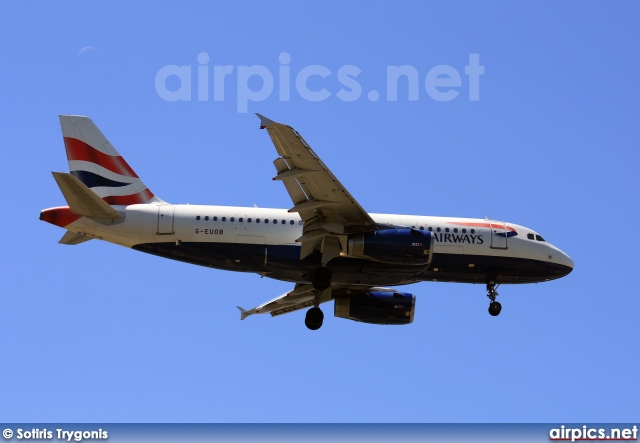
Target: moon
[85, 50]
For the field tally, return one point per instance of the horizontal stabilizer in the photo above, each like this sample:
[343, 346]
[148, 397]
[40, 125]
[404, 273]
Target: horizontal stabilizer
[74, 238]
[82, 200]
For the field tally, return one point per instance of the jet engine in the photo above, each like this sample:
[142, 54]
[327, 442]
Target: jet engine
[377, 306]
[397, 246]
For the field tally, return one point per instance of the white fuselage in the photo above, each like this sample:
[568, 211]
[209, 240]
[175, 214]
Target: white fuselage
[229, 225]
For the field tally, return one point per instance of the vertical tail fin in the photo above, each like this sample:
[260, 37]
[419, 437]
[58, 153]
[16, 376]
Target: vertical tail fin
[97, 164]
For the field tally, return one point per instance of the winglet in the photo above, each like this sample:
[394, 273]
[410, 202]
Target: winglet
[244, 313]
[264, 121]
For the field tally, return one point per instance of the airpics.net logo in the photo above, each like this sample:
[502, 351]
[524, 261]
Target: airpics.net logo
[314, 83]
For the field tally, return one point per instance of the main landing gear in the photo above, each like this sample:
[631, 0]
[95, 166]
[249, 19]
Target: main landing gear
[494, 307]
[321, 281]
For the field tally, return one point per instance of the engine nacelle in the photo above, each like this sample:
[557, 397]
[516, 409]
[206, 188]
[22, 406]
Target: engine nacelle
[380, 307]
[398, 246]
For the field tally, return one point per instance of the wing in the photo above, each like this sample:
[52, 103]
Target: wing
[302, 296]
[328, 210]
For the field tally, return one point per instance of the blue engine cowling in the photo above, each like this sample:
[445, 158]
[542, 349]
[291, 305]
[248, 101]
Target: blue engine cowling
[380, 307]
[398, 246]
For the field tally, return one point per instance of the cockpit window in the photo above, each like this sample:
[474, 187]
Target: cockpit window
[539, 238]
[530, 237]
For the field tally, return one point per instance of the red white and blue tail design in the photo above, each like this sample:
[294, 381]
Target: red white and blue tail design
[97, 164]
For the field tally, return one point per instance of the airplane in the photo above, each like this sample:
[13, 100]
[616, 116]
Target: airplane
[326, 243]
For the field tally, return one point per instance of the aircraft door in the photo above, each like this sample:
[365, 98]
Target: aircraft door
[498, 235]
[165, 219]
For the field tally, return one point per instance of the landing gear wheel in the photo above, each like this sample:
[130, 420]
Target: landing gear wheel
[495, 308]
[321, 278]
[314, 318]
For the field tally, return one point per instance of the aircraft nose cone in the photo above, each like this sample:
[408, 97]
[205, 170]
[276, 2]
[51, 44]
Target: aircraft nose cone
[568, 261]
[564, 260]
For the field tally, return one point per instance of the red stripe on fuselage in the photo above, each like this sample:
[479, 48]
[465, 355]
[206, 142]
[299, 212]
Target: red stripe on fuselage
[484, 225]
[79, 150]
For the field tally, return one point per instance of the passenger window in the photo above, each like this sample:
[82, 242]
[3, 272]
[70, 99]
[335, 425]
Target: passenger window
[438, 229]
[215, 218]
[249, 220]
[464, 231]
[275, 222]
[300, 222]
[290, 222]
[240, 219]
[266, 220]
[232, 219]
[198, 217]
[422, 228]
[206, 217]
[455, 229]
[284, 222]
[473, 231]
[530, 236]
[430, 229]
[257, 220]
[446, 229]
[224, 218]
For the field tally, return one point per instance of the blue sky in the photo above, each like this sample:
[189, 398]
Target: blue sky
[99, 333]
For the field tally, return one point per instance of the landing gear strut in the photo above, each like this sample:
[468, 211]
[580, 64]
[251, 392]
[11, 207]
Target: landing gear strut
[321, 278]
[494, 307]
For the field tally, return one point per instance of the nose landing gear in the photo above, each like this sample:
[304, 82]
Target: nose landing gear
[494, 307]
